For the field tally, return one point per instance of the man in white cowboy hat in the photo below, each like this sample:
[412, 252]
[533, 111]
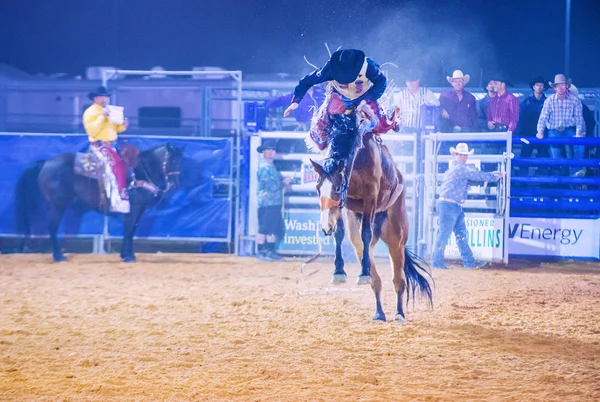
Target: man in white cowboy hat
[459, 107]
[451, 216]
[562, 115]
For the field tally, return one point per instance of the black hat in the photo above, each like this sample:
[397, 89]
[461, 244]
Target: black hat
[412, 74]
[502, 78]
[539, 80]
[346, 64]
[100, 91]
[267, 144]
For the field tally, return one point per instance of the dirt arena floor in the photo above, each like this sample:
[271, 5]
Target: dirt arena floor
[176, 327]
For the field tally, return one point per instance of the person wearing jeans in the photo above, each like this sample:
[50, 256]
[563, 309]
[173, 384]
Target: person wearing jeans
[562, 115]
[452, 218]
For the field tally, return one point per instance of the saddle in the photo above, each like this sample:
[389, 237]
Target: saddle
[89, 165]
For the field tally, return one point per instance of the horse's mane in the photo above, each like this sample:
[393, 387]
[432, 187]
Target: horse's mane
[344, 138]
[169, 147]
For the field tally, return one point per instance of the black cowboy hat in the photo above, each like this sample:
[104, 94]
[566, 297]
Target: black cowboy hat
[502, 78]
[346, 64]
[267, 144]
[100, 91]
[412, 74]
[539, 80]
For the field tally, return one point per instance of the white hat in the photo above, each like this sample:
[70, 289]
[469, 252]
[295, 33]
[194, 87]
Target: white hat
[459, 74]
[461, 149]
[560, 79]
[574, 91]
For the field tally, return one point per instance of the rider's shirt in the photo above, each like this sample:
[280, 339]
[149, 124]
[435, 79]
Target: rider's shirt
[98, 127]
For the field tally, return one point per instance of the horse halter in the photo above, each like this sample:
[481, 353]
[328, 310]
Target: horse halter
[167, 173]
[328, 202]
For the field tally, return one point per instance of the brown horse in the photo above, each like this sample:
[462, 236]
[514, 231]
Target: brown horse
[360, 174]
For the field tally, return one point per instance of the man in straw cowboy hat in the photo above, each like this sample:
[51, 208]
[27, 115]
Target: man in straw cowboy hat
[459, 108]
[102, 134]
[562, 115]
[452, 194]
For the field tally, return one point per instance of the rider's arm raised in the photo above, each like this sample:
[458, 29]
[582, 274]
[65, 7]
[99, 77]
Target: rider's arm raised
[376, 76]
[314, 78]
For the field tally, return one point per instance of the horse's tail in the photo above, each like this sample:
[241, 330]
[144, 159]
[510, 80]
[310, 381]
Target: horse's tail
[413, 265]
[26, 192]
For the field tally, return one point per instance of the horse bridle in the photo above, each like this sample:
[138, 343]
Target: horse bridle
[328, 202]
[166, 174]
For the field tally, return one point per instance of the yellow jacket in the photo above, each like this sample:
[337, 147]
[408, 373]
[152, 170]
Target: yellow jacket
[98, 127]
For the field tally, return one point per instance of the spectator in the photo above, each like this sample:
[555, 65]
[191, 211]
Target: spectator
[459, 108]
[562, 115]
[306, 107]
[270, 203]
[590, 128]
[529, 115]
[503, 113]
[482, 106]
[410, 101]
[453, 193]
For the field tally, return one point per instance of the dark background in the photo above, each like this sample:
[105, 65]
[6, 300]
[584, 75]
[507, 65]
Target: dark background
[521, 38]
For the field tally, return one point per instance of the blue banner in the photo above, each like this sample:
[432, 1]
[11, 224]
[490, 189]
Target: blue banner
[192, 211]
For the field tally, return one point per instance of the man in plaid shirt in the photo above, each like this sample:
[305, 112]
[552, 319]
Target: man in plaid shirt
[562, 115]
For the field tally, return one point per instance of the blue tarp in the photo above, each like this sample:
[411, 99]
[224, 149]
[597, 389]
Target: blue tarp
[191, 211]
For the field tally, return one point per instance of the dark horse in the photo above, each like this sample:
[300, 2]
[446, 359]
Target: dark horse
[367, 182]
[157, 172]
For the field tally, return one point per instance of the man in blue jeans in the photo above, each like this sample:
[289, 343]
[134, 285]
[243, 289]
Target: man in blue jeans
[452, 194]
[562, 115]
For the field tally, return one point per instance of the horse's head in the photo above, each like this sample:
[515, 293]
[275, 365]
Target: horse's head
[172, 166]
[332, 187]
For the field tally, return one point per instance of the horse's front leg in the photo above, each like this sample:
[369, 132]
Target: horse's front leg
[132, 219]
[339, 275]
[366, 234]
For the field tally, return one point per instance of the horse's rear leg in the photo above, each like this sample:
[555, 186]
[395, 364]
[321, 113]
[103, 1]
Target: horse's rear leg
[354, 225]
[366, 234]
[56, 215]
[339, 275]
[399, 280]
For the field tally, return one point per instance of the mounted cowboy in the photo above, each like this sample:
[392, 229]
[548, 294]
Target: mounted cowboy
[353, 78]
[102, 134]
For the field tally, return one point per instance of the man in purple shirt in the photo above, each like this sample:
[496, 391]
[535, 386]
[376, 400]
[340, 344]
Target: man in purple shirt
[503, 111]
[459, 108]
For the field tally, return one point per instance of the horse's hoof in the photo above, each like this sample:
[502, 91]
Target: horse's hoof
[338, 278]
[379, 317]
[364, 280]
[399, 319]
[129, 258]
[60, 258]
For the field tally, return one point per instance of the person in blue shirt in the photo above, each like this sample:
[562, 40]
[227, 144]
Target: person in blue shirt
[270, 202]
[453, 194]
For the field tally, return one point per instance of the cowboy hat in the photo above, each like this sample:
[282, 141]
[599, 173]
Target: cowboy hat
[346, 64]
[267, 144]
[100, 91]
[461, 149]
[539, 80]
[574, 91]
[502, 78]
[560, 79]
[459, 74]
